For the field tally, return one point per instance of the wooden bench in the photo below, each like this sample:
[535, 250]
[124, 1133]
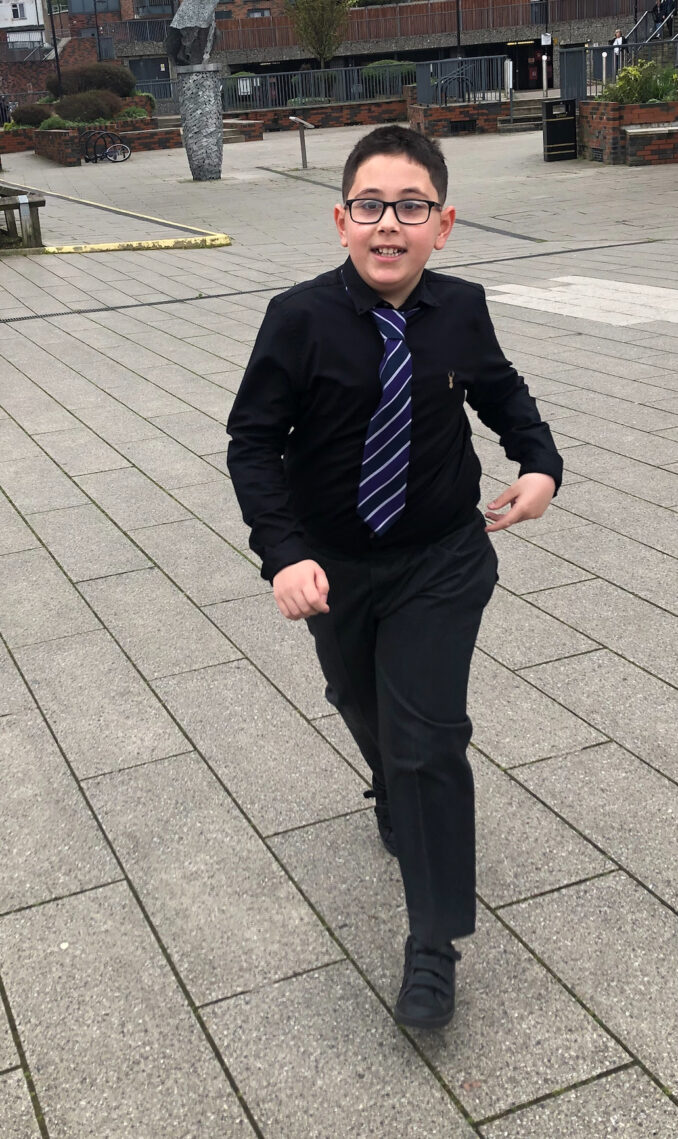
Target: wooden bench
[26, 206]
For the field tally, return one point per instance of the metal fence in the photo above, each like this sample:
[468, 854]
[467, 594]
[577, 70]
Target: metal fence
[23, 51]
[292, 88]
[468, 79]
[584, 71]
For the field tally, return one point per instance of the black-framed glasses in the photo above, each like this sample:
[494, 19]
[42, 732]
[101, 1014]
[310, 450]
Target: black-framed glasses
[409, 211]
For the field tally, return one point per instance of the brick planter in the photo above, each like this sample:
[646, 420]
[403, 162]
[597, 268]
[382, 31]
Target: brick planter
[59, 146]
[458, 118]
[13, 142]
[601, 136]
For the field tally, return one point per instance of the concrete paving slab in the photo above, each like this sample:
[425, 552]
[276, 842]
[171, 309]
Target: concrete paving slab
[113, 1046]
[17, 1118]
[641, 632]
[523, 848]
[523, 568]
[86, 543]
[167, 462]
[515, 634]
[228, 914]
[8, 1054]
[37, 601]
[38, 484]
[644, 719]
[196, 431]
[502, 1047]
[625, 1103]
[200, 562]
[215, 503]
[131, 499]
[276, 766]
[334, 729]
[630, 564]
[80, 451]
[615, 946]
[330, 1028]
[14, 533]
[638, 478]
[14, 696]
[156, 624]
[100, 710]
[115, 422]
[283, 650]
[15, 443]
[623, 513]
[621, 804]
[52, 844]
[513, 723]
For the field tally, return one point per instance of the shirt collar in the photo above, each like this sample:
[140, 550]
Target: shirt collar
[365, 298]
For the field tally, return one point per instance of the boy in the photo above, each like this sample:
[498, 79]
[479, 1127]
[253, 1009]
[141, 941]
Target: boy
[352, 461]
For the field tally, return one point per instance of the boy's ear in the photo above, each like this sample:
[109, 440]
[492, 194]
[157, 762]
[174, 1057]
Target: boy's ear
[447, 217]
[340, 222]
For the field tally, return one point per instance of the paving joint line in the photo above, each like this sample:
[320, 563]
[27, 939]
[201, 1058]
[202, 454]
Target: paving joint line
[272, 983]
[579, 1000]
[23, 1061]
[60, 897]
[599, 1076]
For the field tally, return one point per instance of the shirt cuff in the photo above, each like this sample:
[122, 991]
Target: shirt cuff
[287, 553]
[551, 466]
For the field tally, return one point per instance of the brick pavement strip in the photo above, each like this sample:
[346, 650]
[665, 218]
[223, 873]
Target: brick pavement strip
[563, 694]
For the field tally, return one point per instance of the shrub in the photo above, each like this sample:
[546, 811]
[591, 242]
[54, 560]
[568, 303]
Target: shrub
[308, 101]
[93, 77]
[55, 123]
[89, 105]
[147, 95]
[133, 113]
[49, 99]
[30, 114]
[642, 82]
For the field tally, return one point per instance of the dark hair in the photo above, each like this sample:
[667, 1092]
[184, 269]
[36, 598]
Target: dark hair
[398, 140]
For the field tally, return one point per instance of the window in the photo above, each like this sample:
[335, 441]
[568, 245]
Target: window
[257, 13]
[18, 11]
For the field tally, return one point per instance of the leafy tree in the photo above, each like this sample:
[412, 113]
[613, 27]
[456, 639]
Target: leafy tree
[319, 25]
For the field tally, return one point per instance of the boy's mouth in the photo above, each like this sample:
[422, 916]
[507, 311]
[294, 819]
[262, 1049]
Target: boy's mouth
[390, 251]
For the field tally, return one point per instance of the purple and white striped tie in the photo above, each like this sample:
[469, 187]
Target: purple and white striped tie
[383, 475]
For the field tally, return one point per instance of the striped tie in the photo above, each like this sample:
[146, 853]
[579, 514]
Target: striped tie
[383, 475]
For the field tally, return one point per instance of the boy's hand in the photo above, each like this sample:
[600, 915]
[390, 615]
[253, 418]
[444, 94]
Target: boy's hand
[300, 590]
[529, 497]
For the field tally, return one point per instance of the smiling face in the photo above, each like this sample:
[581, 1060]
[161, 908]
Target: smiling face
[389, 256]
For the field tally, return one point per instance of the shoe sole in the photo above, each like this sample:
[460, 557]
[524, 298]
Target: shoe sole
[429, 1022]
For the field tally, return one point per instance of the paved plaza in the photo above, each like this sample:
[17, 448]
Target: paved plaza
[200, 932]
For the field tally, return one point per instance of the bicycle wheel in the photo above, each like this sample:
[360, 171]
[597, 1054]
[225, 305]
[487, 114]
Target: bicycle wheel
[118, 152]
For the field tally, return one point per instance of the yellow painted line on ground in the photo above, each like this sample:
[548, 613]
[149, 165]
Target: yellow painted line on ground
[210, 241]
[126, 213]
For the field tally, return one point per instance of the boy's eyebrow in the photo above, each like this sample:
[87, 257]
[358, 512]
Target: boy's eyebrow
[407, 190]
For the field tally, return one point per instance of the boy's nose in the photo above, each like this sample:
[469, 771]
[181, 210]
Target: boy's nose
[389, 219]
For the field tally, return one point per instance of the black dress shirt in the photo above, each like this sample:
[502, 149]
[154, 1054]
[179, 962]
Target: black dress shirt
[300, 419]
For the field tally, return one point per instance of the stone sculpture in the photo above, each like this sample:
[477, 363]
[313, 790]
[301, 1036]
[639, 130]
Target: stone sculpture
[189, 43]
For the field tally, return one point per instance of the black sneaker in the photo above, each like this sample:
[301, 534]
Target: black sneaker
[426, 998]
[381, 810]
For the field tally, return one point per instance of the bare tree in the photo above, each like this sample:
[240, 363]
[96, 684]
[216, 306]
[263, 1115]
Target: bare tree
[319, 25]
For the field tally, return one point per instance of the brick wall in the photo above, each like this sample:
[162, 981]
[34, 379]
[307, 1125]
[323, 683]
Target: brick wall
[600, 134]
[12, 142]
[60, 146]
[461, 118]
[644, 151]
[251, 129]
[77, 52]
[331, 115]
[18, 77]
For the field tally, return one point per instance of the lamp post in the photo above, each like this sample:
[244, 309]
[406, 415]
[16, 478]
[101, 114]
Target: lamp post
[56, 48]
[96, 30]
[458, 27]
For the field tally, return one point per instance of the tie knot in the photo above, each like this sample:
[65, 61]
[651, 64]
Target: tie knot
[390, 322]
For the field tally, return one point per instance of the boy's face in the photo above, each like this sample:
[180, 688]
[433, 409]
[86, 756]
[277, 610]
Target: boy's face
[389, 255]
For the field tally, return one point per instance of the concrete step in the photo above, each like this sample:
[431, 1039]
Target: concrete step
[505, 126]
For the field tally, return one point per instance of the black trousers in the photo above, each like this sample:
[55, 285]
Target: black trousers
[395, 650]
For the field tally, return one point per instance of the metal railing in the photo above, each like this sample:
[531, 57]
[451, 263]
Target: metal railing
[290, 89]
[584, 71]
[467, 79]
[23, 51]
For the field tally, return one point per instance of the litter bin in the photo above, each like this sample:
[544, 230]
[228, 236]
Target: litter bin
[559, 123]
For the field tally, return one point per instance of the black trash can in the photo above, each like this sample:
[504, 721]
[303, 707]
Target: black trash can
[559, 123]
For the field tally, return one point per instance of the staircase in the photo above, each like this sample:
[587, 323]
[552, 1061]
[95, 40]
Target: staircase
[231, 134]
[526, 117]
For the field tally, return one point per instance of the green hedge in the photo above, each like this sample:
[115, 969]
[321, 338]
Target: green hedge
[30, 114]
[94, 77]
[89, 105]
[643, 82]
